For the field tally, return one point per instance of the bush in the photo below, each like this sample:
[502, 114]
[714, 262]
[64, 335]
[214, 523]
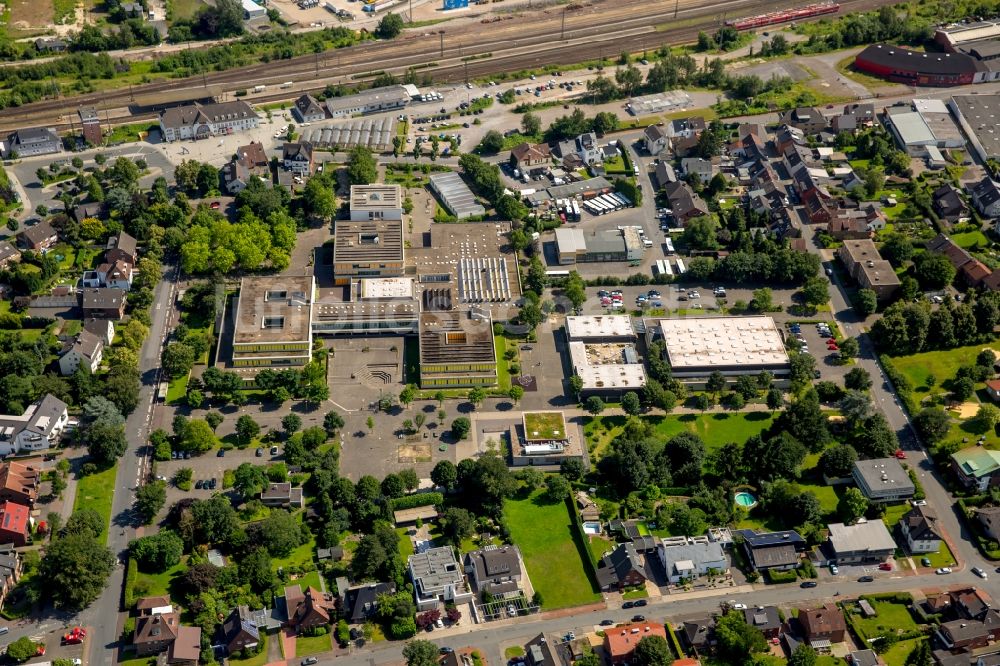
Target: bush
[775, 576]
[418, 499]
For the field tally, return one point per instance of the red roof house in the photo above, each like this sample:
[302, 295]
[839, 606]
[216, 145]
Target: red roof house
[13, 523]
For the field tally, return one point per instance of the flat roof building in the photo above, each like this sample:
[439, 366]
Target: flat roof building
[456, 349]
[456, 195]
[438, 577]
[950, 36]
[607, 369]
[868, 268]
[883, 480]
[273, 322]
[600, 328]
[865, 541]
[369, 101]
[376, 202]
[368, 306]
[698, 346]
[368, 248]
[574, 246]
[979, 117]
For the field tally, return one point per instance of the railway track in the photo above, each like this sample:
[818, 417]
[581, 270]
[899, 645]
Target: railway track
[511, 46]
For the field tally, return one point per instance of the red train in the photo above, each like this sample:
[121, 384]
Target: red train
[784, 16]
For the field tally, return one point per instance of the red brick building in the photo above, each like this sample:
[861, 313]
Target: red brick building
[620, 642]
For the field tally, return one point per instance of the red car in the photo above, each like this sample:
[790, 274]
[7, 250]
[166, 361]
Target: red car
[215, 205]
[900, 453]
[75, 636]
[885, 566]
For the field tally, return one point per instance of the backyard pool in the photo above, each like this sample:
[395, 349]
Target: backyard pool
[592, 528]
[745, 499]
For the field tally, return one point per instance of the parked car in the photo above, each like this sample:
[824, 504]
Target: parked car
[607, 623]
[866, 579]
[199, 484]
[808, 583]
[259, 452]
[274, 450]
[942, 571]
[638, 618]
[628, 604]
[925, 561]
[834, 569]
[979, 572]
[446, 650]
[919, 502]
[885, 566]
[221, 453]
[309, 661]
[640, 603]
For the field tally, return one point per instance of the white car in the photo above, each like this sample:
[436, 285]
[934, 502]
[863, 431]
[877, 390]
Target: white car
[979, 572]
[942, 571]
[919, 502]
[735, 606]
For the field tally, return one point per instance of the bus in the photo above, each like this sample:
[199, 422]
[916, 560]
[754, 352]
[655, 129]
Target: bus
[576, 210]
[608, 201]
[680, 267]
[669, 243]
[663, 267]
[624, 199]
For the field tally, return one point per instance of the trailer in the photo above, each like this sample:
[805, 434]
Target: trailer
[330, 7]
[381, 6]
[784, 16]
[681, 270]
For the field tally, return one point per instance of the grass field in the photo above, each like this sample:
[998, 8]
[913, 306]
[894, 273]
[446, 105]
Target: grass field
[96, 492]
[971, 239]
[891, 617]
[183, 9]
[897, 654]
[158, 584]
[942, 558]
[551, 554]
[503, 367]
[306, 645]
[714, 429]
[941, 364]
[299, 557]
[177, 389]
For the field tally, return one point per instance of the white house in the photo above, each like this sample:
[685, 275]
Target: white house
[656, 139]
[298, 158]
[102, 328]
[438, 577]
[88, 349]
[920, 527]
[986, 197]
[116, 275]
[688, 559]
[36, 429]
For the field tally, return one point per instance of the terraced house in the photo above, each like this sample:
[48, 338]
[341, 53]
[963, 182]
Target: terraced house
[273, 322]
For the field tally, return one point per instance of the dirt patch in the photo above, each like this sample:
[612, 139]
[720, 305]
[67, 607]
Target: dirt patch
[30, 14]
[414, 453]
[966, 410]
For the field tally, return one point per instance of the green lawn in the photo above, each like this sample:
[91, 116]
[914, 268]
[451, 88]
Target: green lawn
[890, 617]
[306, 645]
[942, 558]
[184, 9]
[158, 584]
[405, 543]
[714, 429]
[971, 239]
[311, 579]
[503, 365]
[258, 660]
[598, 546]
[177, 389]
[941, 364]
[138, 661]
[638, 593]
[551, 553]
[894, 513]
[897, 654]
[96, 492]
[299, 557]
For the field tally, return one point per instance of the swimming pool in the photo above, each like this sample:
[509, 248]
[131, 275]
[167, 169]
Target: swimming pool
[745, 499]
[592, 527]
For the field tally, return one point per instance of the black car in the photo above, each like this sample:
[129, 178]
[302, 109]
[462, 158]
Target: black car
[640, 603]
[607, 623]
[628, 604]
[866, 579]
[446, 650]
[638, 618]
[808, 583]
[221, 453]
[199, 484]
[213, 484]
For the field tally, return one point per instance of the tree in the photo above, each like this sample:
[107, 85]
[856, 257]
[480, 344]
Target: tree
[630, 403]
[605, 122]
[653, 651]
[457, 524]
[963, 388]
[460, 427]
[699, 233]
[390, 26]
[178, 359]
[556, 488]
[858, 379]
[492, 143]
[515, 393]
[920, 655]
[774, 399]
[934, 271]
[290, 423]
[531, 124]
[421, 653]
[149, 499]
[865, 302]
[814, 291]
[22, 649]
[246, 429]
[876, 439]
[332, 422]
[987, 417]
[762, 300]
[849, 348]
[86, 522]
[737, 640]
[158, 552]
[74, 570]
[933, 424]
[280, 533]
[407, 395]
[476, 396]
[897, 248]
[716, 382]
[594, 405]
[837, 461]
[804, 655]
[852, 505]
[576, 385]
[105, 442]
[214, 420]
[856, 406]
[361, 167]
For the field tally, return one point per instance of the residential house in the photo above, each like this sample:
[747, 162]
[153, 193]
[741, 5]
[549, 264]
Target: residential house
[977, 468]
[685, 204]
[309, 609]
[282, 495]
[156, 627]
[986, 197]
[786, 137]
[620, 642]
[87, 349]
[186, 649]
[8, 255]
[664, 174]
[583, 148]
[772, 550]
[692, 559]
[948, 204]
[495, 570]
[308, 110]
[360, 604]
[686, 128]
[38, 237]
[621, 568]
[847, 227]
[11, 567]
[818, 204]
[656, 139]
[993, 389]
[920, 529]
[92, 209]
[699, 634]
[697, 167]
[239, 630]
[525, 156]
[31, 141]
[883, 480]
[248, 162]
[121, 247]
[102, 328]
[825, 623]
[765, 619]
[19, 483]
[50, 45]
[36, 429]
[972, 270]
[989, 518]
[808, 119]
[864, 263]
[854, 118]
[103, 303]
[298, 158]
[437, 577]
[966, 634]
[864, 658]
[200, 121]
[117, 275]
[865, 541]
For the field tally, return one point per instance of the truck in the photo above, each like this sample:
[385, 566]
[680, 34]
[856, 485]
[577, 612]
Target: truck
[329, 6]
[287, 84]
[259, 89]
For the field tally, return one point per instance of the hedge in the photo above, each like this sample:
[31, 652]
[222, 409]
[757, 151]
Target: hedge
[131, 574]
[918, 492]
[415, 500]
[775, 576]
